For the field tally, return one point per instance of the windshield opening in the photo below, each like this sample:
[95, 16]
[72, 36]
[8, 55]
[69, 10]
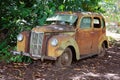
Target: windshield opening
[62, 19]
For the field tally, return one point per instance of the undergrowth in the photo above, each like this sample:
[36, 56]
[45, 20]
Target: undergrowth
[6, 56]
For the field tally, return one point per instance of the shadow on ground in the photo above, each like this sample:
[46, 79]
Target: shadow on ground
[94, 68]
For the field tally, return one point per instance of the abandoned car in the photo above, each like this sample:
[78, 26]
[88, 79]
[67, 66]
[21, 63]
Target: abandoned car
[69, 36]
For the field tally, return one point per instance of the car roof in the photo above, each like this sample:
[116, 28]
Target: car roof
[81, 13]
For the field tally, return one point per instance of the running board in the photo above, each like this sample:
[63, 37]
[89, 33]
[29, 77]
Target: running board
[87, 56]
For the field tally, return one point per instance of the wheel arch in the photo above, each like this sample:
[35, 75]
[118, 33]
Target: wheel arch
[74, 58]
[106, 43]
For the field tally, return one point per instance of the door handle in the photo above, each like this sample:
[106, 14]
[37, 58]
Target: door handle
[92, 32]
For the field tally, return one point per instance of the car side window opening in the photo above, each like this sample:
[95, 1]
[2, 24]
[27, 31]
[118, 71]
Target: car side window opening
[96, 22]
[85, 23]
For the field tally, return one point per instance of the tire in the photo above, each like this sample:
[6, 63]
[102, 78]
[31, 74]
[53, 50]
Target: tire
[65, 59]
[102, 50]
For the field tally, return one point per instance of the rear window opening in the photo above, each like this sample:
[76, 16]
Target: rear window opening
[97, 23]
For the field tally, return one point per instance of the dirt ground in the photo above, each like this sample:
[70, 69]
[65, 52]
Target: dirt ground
[94, 68]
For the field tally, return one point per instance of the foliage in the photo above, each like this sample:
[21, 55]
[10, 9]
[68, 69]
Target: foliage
[111, 40]
[19, 15]
[7, 57]
[112, 9]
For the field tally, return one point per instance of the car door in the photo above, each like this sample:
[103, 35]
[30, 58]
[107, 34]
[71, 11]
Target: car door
[97, 33]
[84, 35]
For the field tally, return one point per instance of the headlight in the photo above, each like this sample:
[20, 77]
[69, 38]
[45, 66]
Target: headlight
[20, 37]
[54, 42]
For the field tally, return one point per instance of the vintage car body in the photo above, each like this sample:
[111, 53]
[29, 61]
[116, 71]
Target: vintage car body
[73, 35]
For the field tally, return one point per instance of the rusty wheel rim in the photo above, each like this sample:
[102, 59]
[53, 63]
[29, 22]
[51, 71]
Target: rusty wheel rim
[65, 58]
[102, 50]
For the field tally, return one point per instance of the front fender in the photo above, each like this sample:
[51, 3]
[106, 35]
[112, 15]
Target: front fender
[64, 41]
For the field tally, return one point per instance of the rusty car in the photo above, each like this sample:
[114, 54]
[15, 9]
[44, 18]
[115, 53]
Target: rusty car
[68, 36]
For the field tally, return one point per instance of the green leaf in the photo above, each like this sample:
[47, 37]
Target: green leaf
[61, 7]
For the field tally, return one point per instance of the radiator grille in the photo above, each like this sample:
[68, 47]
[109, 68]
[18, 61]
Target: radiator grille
[36, 43]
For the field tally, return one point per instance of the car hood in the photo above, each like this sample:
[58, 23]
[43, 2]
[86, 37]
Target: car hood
[54, 28]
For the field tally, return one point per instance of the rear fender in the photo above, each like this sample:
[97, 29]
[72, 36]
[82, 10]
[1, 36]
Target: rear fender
[103, 39]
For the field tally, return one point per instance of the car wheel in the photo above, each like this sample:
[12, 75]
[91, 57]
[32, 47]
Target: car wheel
[65, 59]
[102, 50]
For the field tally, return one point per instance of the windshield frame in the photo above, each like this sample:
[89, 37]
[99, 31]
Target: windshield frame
[70, 18]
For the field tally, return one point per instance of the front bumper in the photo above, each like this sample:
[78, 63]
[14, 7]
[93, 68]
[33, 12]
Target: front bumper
[33, 57]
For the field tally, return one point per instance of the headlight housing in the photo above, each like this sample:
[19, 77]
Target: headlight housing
[20, 37]
[54, 42]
